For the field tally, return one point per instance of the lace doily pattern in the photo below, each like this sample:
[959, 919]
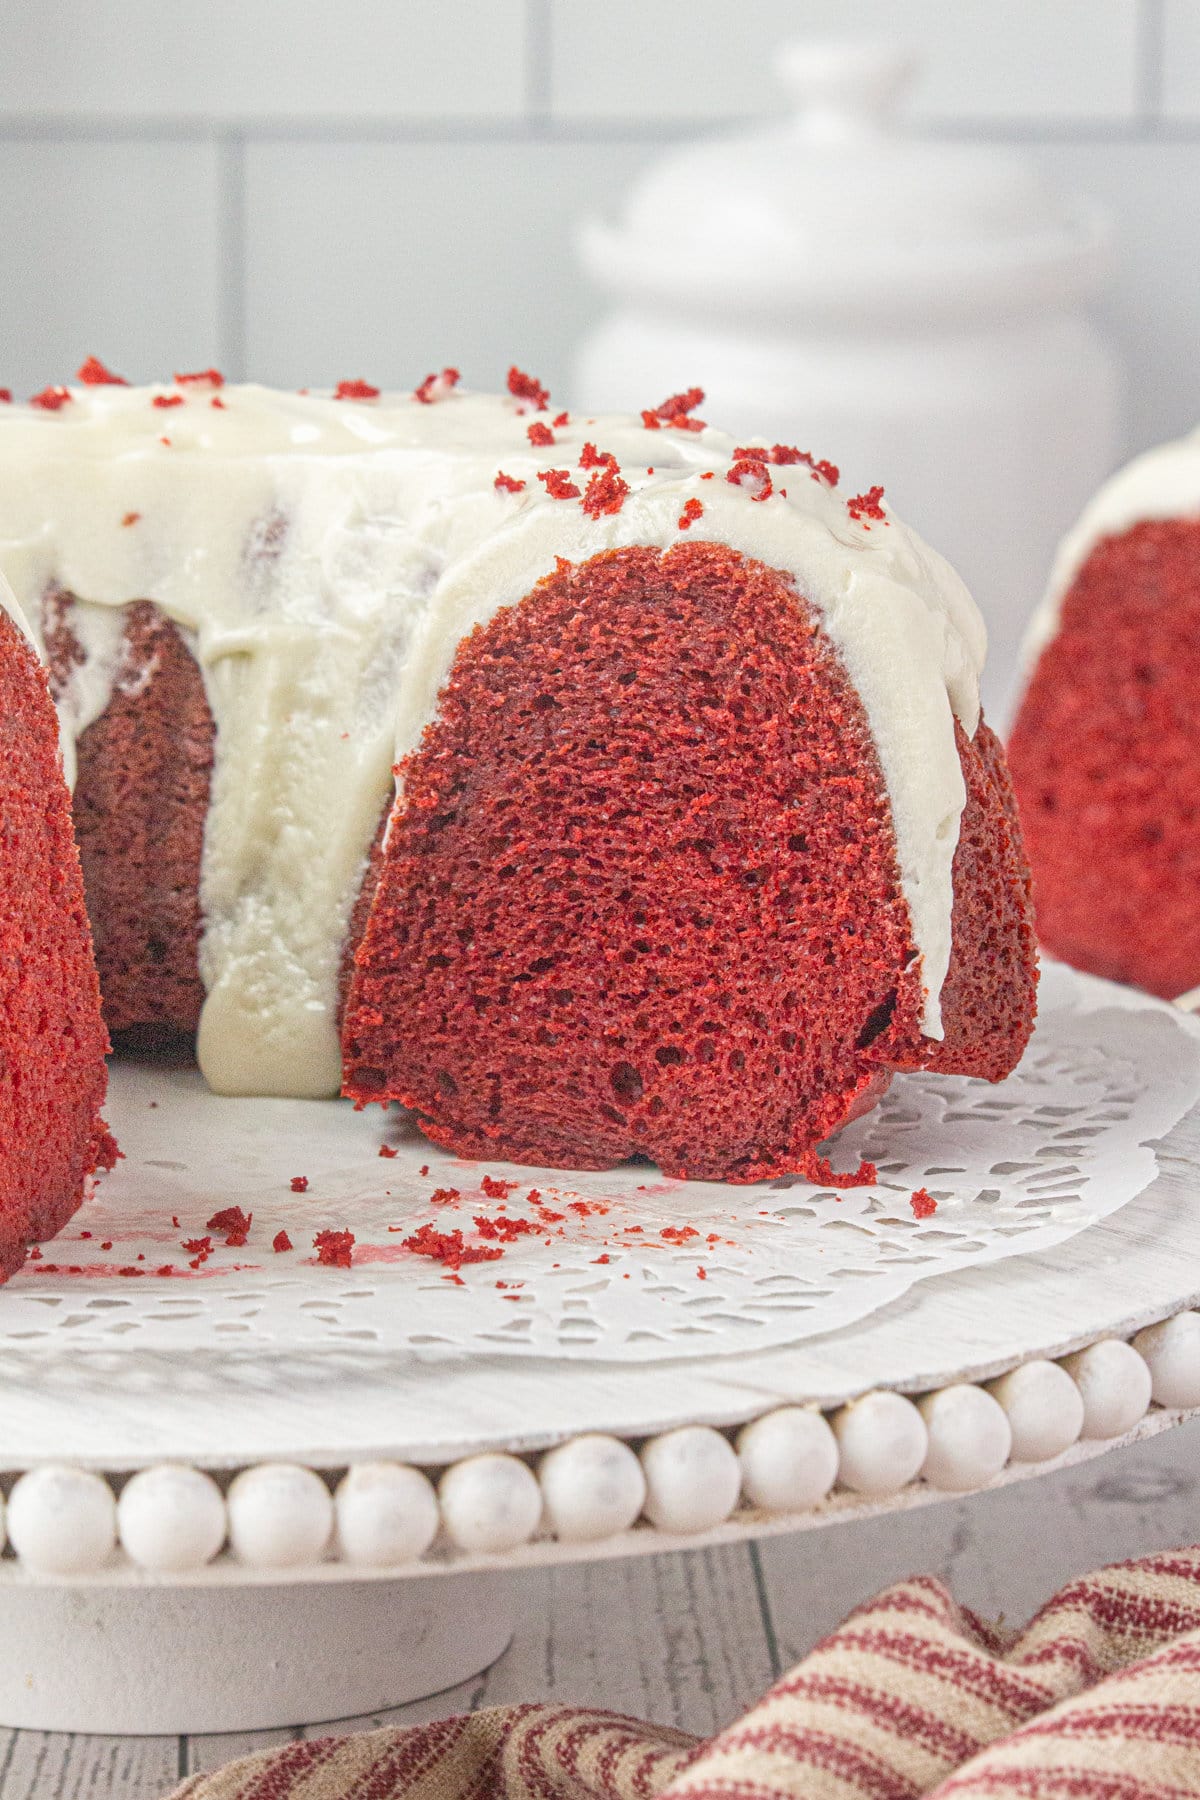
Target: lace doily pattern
[452, 1258]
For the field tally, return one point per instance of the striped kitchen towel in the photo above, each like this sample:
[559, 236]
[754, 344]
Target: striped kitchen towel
[1097, 1699]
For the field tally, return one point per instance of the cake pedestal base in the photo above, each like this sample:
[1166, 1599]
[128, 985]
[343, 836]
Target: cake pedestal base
[157, 1660]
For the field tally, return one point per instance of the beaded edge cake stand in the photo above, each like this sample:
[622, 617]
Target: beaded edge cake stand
[138, 1599]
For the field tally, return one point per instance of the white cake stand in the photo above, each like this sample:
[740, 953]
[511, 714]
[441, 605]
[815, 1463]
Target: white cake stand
[153, 1628]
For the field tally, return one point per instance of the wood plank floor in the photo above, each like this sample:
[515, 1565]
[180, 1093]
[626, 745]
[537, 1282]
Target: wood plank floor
[691, 1640]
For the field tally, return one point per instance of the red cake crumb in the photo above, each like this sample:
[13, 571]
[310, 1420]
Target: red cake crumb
[164, 400]
[540, 435]
[444, 1196]
[450, 1248]
[674, 411]
[166, 441]
[424, 1169]
[497, 1189]
[591, 458]
[6, 397]
[93, 373]
[234, 1222]
[560, 420]
[508, 484]
[198, 1247]
[334, 1247]
[678, 1234]
[299, 1184]
[527, 387]
[606, 492]
[866, 506]
[217, 402]
[386, 1150]
[504, 1229]
[436, 387]
[51, 399]
[355, 390]
[819, 1170]
[107, 1244]
[692, 510]
[747, 472]
[923, 1204]
[786, 454]
[281, 1242]
[201, 378]
[559, 485]
[131, 518]
[701, 1273]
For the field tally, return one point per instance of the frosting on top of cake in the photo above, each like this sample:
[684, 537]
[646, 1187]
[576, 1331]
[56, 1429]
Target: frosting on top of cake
[324, 558]
[1163, 483]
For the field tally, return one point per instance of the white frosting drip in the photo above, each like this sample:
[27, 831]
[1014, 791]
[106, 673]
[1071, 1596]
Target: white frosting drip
[1163, 483]
[324, 559]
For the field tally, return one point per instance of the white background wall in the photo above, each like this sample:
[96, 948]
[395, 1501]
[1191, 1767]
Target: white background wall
[311, 189]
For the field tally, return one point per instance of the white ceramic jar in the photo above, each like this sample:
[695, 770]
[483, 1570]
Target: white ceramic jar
[909, 309]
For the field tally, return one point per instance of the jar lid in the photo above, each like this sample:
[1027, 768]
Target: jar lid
[840, 210]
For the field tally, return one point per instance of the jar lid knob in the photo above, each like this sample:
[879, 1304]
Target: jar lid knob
[847, 89]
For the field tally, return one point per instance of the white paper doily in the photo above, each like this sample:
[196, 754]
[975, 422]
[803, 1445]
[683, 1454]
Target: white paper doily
[623, 1266]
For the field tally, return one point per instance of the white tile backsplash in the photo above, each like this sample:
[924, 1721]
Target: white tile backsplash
[1181, 60]
[386, 260]
[979, 59]
[272, 59]
[305, 191]
[112, 249]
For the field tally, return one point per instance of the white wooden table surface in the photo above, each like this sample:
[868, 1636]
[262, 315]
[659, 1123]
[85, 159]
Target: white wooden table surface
[691, 1640]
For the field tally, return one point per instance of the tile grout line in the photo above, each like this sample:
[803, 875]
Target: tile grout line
[231, 254]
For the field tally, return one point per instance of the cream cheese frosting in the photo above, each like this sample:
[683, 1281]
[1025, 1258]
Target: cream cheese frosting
[324, 559]
[1163, 483]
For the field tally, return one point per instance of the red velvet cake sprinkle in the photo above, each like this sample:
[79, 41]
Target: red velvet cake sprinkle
[496, 1189]
[234, 1222]
[866, 506]
[299, 1184]
[217, 402]
[164, 400]
[386, 1150]
[751, 473]
[131, 518]
[51, 399]
[201, 378]
[333, 1248]
[819, 1170]
[785, 454]
[355, 390]
[199, 1247]
[692, 510]
[674, 411]
[450, 1248]
[424, 1169]
[561, 419]
[591, 458]
[5, 396]
[281, 1242]
[527, 387]
[559, 485]
[507, 484]
[606, 492]
[540, 435]
[436, 387]
[923, 1204]
[503, 1229]
[93, 373]
[444, 1196]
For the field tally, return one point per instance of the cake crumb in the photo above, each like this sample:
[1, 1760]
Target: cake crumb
[334, 1248]
[299, 1184]
[923, 1204]
[281, 1242]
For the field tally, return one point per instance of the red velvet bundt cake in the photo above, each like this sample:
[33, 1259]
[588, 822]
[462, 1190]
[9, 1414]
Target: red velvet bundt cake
[1105, 752]
[592, 786]
[52, 1041]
